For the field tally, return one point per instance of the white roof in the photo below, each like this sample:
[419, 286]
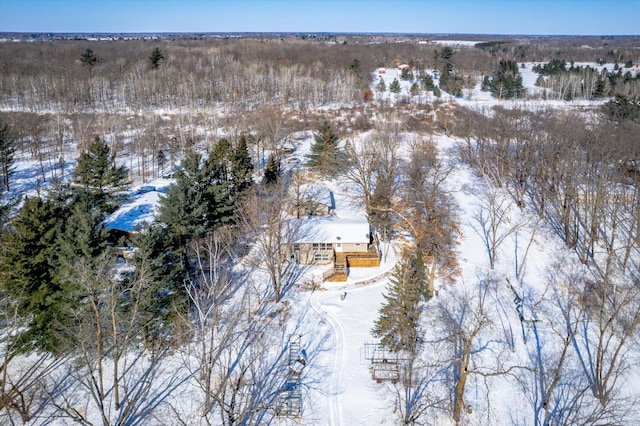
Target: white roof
[331, 230]
[140, 210]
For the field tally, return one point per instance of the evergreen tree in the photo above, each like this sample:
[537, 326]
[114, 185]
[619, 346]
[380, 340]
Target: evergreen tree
[324, 157]
[83, 236]
[97, 176]
[381, 86]
[27, 274]
[394, 87]
[271, 171]
[355, 68]
[405, 74]
[198, 202]
[156, 58]
[397, 325]
[160, 264]
[415, 89]
[507, 83]
[88, 58]
[7, 151]
[242, 168]
[379, 208]
[427, 82]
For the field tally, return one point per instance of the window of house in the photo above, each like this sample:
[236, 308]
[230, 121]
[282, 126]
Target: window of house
[320, 257]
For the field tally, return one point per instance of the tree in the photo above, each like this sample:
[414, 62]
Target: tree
[381, 86]
[241, 168]
[88, 58]
[28, 276]
[507, 83]
[199, 201]
[98, 177]
[116, 375]
[397, 325]
[415, 89]
[324, 157]
[355, 68]
[271, 171]
[394, 87]
[427, 82]
[156, 58]
[7, 151]
[263, 217]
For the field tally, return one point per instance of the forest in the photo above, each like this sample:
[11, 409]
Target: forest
[528, 146]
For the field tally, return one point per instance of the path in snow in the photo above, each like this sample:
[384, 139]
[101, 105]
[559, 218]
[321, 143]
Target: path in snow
[353, 397]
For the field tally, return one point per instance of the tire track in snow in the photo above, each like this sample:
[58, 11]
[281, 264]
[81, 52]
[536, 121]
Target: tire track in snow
[335, 403]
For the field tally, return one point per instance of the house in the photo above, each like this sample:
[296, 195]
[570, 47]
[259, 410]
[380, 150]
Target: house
[381, 71]
[342, 242]
[403, 67]
[140, 209]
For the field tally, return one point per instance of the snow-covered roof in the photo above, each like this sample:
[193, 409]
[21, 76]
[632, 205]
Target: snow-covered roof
[141, 208]
[331, 230]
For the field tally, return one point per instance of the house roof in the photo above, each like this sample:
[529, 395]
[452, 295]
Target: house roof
[141, 208]
[331, 230]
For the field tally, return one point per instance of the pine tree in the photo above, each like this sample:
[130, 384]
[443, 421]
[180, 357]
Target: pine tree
[394, 87]
[271, 171]
[324, 157]
[427, 82]
[355, 68]
[156, 58]
[28, 277]
[88, 58]
[397, 325]
[379, 208]
[98, 177]
[160, 264]
[7, 151]
[381, 86]
[198, 202]
[415, 89]
[242, 168]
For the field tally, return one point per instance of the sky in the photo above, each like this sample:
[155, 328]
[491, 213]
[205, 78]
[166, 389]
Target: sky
[529, 17]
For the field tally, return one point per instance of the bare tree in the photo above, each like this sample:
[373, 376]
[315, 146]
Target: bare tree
[265, 218]
[116, 372]
[494, 220]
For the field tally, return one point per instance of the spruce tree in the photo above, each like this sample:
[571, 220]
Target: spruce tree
[242, 168]
[398, 322]
[415, 89]
[7, 151]
[156, 58]
[198, 202]
[394, 87]
[88, 58]
[98, 177]
[324, 157]
[271, 171]
[379, 208]
[27, 273]
[381, 86]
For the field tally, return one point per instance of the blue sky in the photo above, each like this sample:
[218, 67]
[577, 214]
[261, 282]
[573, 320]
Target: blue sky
[573, 17]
